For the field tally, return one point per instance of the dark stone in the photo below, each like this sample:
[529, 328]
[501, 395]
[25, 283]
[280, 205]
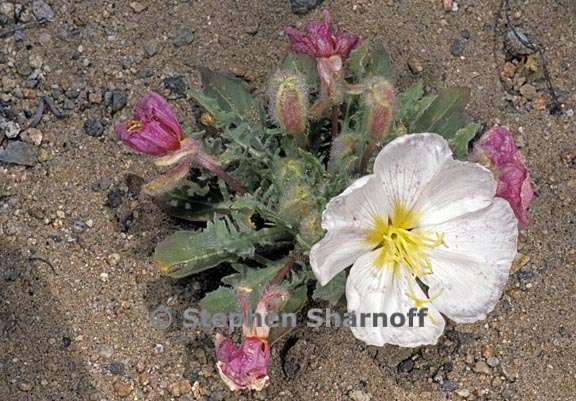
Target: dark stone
[94, 127]
[116, 368]
[457, 48]
[177, 87]
[303, 6]
[116, 100]
[406, 366]
[134, 184]
[466, 34]
[42, 10]
[448, 386]
[66, 341]
[525, 275]
[114, 199]
[296, 357]
[18, 152]
[126, 222]
[79, 227]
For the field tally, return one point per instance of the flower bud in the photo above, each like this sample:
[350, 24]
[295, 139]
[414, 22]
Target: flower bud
[153, 129]
[343, 152]
[311, 229]
[296, 203]
[379, 103]
[288, 171]
[497, 150]
[289, 104]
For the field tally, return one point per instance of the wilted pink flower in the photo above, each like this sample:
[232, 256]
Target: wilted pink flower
[246, 367]
[497, 150]
[153, 129]
[320, 41]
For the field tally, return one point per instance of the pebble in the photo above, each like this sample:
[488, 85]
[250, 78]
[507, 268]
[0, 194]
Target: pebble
[116, 368]
[114, 198]
[448, 386]
[464, 393]
[113, 259]
[138, 7]
[26, 387]
[180, 388]
[482, 367]
[93, 127]
[19, 153]
[528, 91]
[42, 10]
[104, 350]
[150, 49]
[300, 7]
[7, 9]
[158, 348]
[32, 136]
[487, 351]
[10, 129]
[514, 42]
[466, 34]
[183, 38]
[457, 48]
[359, 395]
[122, 389]
[79, 227]
[177, 87]
[493, 361]
[116, 100]
[415, 65]
[95, 97]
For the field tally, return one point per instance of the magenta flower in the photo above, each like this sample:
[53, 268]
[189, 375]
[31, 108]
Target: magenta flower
[320, 41]
[246, 367]
[497, 150]
[153, 129]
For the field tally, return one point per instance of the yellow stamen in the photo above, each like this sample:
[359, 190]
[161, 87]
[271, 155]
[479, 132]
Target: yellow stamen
[134, 126]
[401, 242]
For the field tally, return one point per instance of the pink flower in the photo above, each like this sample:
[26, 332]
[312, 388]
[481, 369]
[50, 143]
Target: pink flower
[246, 367]
[153, 129]
[497, 150]
[320, 41]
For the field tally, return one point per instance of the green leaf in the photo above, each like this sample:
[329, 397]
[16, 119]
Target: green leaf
[444, 115]
[232, 95]
[305, 65]
[409, 100]
[333, 291]
[222, 300]
[356, 62]
[186, 252]
[459, 142]
[296, 300]
[254, 278]
[381, 64]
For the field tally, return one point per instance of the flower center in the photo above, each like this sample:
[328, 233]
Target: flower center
[134, 126]
[400, 241]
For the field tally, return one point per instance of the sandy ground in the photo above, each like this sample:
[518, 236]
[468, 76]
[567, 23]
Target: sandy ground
[82, 332]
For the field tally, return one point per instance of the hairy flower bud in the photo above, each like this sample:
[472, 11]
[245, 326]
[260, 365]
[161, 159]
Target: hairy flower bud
[289, 104]
[289, 171]
[344, 152]
[379, 102]
[311, 228]
[497, 150]
[296, 203]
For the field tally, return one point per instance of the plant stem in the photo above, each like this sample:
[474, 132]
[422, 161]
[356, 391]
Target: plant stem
[277, 279]
[334, 120]
[366, 157]
[210, 163]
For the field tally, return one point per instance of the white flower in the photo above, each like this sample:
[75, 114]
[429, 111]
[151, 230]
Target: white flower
[422, 221]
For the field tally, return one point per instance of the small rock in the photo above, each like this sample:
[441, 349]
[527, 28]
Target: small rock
[104, 350]
[95, 97]
[457, 48]
[359, 395]
[466, 34]
[493, 361]
[42, 10]
[296, 359]
[158, 348]
[116, 368]
[32, 136]
[113, 259]
[79, 227]
[150, 49]
[517, 43]
[415, 65]
[93, 127]
[138, 7]
[448, 386]
[528, 91]
[406, 366]
[482, 367]
[19, 153]
[66, 341]
[487, 351]
[7, 9]
[116, 100]
[183, 38]
[508, 70]
[177, 87]
[26, 387]
[114, 199]
[464, 393]
[540, 102]
[300, 7]
[180, 388]
[36, 61]
[10, 129]
[122, 389]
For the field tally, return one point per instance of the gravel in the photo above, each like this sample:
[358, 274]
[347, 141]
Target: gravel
[93, 127]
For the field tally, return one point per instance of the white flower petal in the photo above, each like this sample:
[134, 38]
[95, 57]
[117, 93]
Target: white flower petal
[408, 163]
[336, 251]
[356, 206]
[457, 189]
[470, 273]
[371, 289]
